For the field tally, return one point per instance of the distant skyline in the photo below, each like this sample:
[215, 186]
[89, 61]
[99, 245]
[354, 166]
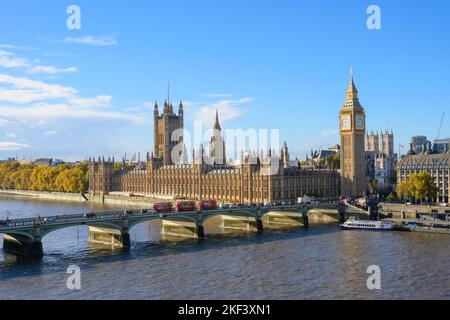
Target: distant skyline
[285, 65]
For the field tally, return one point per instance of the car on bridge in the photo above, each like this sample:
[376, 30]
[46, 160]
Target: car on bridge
[51, 219]
[89, 215]
[127, 213]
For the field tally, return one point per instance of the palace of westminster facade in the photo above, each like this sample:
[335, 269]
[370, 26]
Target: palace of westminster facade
[253, 180]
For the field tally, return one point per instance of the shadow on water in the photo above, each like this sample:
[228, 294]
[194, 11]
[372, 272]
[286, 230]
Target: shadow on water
[91, 257]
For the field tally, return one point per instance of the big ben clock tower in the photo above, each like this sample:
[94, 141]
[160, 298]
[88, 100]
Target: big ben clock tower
[352, 127]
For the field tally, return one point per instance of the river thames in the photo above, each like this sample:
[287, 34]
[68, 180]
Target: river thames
[321, 262]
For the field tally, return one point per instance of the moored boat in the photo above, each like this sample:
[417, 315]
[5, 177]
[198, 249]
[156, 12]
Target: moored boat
[354, 224]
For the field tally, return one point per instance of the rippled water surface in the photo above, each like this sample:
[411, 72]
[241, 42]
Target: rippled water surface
[322, 262]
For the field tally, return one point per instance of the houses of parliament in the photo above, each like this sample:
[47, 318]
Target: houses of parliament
[209, 176]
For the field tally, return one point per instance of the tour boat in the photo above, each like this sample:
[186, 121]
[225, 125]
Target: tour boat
[354, 224]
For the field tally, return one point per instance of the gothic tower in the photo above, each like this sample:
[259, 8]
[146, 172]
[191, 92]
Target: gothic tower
[387, 143]
[373, 142]
[164, 126]
[285, 155]
[352, 129]
[217, 145]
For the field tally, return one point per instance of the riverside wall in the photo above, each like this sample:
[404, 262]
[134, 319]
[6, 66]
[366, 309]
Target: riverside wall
[77, 197]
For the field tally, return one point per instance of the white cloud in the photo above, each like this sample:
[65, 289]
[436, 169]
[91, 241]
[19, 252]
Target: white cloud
[148, 105]
[10, 135]
[24, 90]
[4, 123]
[228, 110]
[52, 70]
[329, 133]
[9, 60]
[91, 102]
[43, 111]
[48, 112]
[10, 146]
[106, 40]
[50, 133]
[14, 47]
[216, 95]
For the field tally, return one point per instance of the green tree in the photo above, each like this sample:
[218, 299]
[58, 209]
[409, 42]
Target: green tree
[391, 197]
[419, 186]
[128, 166]
[372, 186]
[334, 161]
[425, 187]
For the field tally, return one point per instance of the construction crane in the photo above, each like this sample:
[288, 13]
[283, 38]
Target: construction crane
[440, 126]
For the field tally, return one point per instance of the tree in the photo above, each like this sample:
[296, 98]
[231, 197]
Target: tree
[334, 161]
[402, 189]
[372, 186]
[419, 186]
[128, 166]
[62, 178]
[425, 187]
[391, 197]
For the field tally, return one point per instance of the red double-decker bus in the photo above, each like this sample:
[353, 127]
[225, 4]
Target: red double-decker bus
[185, 206]
[163, 207]
[207, 205]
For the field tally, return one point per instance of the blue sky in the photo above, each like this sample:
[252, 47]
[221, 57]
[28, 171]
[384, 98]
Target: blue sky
[264, 64]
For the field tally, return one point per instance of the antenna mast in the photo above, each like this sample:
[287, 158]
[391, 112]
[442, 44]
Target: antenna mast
[440, 125]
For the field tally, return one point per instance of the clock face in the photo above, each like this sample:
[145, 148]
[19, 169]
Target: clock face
[346, 123]
[360, 123]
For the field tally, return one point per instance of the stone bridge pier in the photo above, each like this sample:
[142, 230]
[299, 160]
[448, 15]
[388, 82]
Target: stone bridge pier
[342, 209]
[29, 245]
[304, 213]
[257, 215]
[116, 235]
[373, 209]
[199, 225]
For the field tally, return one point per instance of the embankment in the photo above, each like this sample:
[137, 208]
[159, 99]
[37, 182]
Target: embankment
[77, 197]
[410, 209]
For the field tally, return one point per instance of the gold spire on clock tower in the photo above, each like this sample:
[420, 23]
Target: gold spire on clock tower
[352, 130]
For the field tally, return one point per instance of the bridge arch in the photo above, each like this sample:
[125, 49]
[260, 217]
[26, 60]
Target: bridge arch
[45, 231]
[135, 222]
[20, 235]
[230, 213]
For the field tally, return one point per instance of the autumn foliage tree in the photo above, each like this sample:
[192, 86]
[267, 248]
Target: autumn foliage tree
[62, 178]
[419, 186]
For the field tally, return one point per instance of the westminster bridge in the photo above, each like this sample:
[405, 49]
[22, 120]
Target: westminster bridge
[24, 236]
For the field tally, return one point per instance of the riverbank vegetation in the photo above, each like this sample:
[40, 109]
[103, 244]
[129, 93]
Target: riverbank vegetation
[61, 178]
[419, 186]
